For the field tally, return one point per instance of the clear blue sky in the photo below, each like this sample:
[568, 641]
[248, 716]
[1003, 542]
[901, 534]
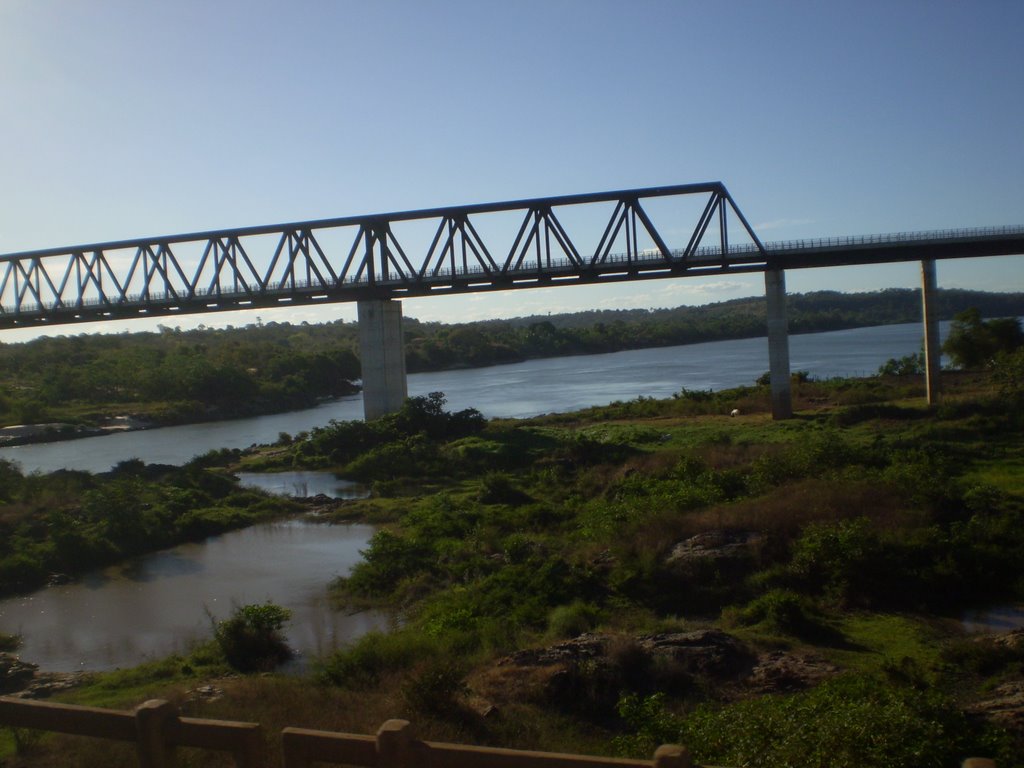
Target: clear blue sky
[123, 118]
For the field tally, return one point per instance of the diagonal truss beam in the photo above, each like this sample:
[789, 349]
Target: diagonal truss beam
[345, 259]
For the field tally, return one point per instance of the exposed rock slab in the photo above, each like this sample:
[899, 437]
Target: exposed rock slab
[713, 546]
[781, 672]
[1004, 706]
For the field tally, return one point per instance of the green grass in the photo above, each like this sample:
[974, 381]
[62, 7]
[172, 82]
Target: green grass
[879, 640]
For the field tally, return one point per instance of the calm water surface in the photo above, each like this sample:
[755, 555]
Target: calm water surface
[303, 483]
[157, 604]
[519, 390]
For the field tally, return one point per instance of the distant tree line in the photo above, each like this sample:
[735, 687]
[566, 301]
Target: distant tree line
[433, 346]
[175, 376]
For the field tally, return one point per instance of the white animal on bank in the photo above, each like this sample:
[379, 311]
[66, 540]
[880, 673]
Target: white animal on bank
[734, 412]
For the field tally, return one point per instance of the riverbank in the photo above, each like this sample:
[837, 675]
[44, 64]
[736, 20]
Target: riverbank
[176, 377]
[553, 385]
[27, 434]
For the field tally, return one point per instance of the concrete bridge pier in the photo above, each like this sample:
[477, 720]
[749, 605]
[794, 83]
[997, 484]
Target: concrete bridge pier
[932, 346]
[382, 357]
[778, 344]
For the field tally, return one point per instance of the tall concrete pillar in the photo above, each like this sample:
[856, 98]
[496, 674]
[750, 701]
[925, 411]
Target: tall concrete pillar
[932, 347]
[382, 357]
[778, 343]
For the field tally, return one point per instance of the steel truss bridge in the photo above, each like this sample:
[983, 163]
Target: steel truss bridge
[650, 233]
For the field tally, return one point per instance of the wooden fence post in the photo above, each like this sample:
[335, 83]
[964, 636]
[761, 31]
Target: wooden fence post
[672, 756]
[394, 744]
[151, 719]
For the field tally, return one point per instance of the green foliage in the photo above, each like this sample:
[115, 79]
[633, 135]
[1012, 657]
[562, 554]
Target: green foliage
[975, 343]
[1008, 374]
[402, 444]
[9, 643]
[983, 656]
[573, 619]
[175, 376]
[387, 560]
[435, 689]
[251, 638]
[500, 488]
[376, 654]
[908, 365]
[838, 560]
[784, 612]
[850, 722]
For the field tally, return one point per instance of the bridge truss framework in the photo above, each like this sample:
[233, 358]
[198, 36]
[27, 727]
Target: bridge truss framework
[440, 251]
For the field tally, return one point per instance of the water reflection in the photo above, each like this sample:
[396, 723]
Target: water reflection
[303, 484]
[161, 603]
[1004, 618]
[171, 564]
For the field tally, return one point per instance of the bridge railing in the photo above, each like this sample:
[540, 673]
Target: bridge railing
[892, 238]
[157, 730]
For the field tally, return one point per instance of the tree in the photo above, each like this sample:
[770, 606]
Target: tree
[975, 343]
[251, 639]
[904, 366]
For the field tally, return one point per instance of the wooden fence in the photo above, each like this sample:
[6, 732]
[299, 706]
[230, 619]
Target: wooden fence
[157, 730]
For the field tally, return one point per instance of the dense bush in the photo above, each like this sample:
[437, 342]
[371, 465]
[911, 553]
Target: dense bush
[398, 444]
[251, 639]
[850, 722]
[976, 343]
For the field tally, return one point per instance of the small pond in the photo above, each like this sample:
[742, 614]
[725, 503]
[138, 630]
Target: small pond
[158, 604]
[303, 484]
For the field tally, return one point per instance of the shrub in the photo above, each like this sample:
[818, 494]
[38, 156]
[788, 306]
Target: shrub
[784, 612]
[500, 488]
[435, 689]
[573, 619]
[251, 639]
[842, 561]
[363, 663]
[908, 365]
[975, 343]
[850, 722]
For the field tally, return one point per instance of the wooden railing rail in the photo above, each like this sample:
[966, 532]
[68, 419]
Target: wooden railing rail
[154, 726]
[157, 731]
[395, 746]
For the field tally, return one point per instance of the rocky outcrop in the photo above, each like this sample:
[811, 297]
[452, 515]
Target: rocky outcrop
[1004, 706]
[704, 653]
[713, 546]
[780, 672]
[15, 674]
[596, 669]
[23, 680]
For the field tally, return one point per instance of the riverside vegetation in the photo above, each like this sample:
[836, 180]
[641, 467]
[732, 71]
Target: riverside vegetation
[173, 377]
[769, 594]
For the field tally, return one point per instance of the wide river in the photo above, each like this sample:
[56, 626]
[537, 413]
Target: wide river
[159, 603]
[518, 390]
